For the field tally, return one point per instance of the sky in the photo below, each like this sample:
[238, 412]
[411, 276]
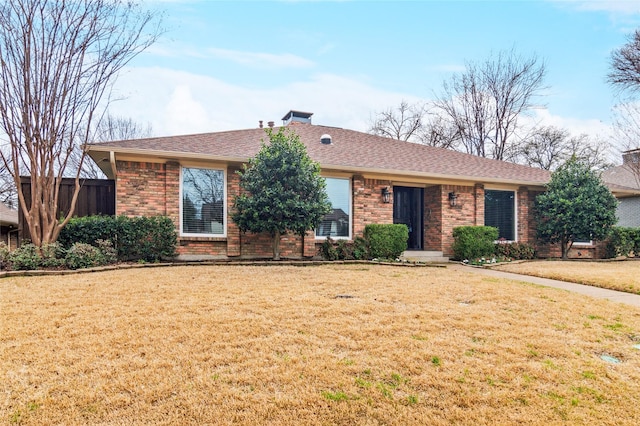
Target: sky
[224, 65]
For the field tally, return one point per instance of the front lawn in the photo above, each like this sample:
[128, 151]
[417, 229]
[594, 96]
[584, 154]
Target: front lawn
[332, 344]
[615, 275]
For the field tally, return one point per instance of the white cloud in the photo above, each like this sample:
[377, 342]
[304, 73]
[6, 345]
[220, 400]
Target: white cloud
[182, 111]
[178, 102]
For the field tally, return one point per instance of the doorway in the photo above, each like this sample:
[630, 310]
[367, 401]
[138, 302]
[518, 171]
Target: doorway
[408, 208]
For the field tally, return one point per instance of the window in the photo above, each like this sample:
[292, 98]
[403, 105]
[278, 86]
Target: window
[583, 240]
[337, 224]
[500, 212]
[203, 208]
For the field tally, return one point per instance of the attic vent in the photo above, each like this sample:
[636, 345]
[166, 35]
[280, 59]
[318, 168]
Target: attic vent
[325, 139]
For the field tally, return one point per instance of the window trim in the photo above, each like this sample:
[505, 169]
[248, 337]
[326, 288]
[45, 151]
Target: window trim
[224, 201]
[515, 211]
[350, 194]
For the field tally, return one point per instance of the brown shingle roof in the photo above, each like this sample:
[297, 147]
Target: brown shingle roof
[622, 176]
[350, 150]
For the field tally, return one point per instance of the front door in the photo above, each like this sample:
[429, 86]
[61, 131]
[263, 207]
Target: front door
[408, 208]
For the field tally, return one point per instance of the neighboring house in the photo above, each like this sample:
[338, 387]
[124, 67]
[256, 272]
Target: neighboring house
[370, 179]
[627, 175]
[8, 226]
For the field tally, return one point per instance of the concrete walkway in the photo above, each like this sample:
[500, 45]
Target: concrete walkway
[587, 290]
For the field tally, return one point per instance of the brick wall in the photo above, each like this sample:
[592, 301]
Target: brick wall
[144, 188]
[368, 206]
[464, 213]
[141, 189]
[433, 218]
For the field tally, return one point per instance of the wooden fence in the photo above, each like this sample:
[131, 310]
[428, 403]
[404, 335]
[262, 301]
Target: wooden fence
[97, 196]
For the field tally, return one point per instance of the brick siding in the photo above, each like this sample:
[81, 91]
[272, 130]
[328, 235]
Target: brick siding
[147, 189]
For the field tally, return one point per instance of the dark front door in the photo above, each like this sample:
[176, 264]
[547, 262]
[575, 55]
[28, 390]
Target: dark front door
[408, 208]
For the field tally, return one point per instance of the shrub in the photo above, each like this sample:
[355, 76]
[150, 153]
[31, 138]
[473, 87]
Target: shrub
[386, 241]
[4, 256]
[337, 250]
[89, 229]
[515, 251]
[328, 251]
[108, 251]
[146, 238]
[25, 257]
[82, 255]
[134, 238]
[623, 241]
[360, 249]
[474, 242]
[53, 255]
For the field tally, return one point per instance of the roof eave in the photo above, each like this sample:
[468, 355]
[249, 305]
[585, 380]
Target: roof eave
[178, 155]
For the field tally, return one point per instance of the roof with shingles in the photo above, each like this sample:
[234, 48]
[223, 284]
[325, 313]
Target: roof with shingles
[8, 215]
[623, 176]
[350, 150]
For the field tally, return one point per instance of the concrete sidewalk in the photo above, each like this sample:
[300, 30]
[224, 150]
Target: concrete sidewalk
[587, 290]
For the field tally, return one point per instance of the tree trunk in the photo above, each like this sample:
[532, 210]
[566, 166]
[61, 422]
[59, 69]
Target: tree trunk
[565, 245]
[276, 245]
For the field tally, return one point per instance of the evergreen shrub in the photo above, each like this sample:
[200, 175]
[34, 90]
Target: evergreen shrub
[474, 242]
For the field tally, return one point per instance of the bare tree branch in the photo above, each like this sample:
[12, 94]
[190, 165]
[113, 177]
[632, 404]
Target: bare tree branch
[414, 123]
[58, 59]
[401, 123]
[485, 102]
[625, 65]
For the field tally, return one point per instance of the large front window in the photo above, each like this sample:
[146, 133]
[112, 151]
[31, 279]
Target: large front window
[337, 224]
[202, 208]
[500, 212]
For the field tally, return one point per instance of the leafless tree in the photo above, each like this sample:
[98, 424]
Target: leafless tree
[414, 123]
[625, 65]
[593, 151]
[486, 101]
[58, 59]
[8, 194]
[402, 123]
[549, 147]
[439, 132]
[626, 133]
[545, 148]
[109, 128]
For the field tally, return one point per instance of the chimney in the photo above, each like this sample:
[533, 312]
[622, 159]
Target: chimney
[260, 124]
[296, 117]
[271, 124]
[631, 157]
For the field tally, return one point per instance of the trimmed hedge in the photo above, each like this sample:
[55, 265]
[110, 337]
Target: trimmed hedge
[623, 241]
[134, 238]
[474, 242]
[386, 241]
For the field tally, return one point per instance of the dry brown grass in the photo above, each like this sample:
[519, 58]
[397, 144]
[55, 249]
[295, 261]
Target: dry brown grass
[619, 275]
[275, 345]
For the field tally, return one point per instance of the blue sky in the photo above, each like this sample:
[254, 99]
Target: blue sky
[225, 65]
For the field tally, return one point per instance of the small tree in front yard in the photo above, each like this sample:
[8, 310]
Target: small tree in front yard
[283, 190]
[577, 205]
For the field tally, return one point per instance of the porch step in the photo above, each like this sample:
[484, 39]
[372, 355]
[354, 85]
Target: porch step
[424, 256]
